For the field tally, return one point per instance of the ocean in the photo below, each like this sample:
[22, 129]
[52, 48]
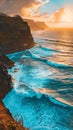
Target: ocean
[42, 80]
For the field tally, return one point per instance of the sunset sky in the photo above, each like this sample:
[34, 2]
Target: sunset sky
[55, 13]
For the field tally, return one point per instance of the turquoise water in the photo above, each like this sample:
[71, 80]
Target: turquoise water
[42, 94]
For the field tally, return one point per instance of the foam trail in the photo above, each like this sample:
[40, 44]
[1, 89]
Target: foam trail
[42, 80]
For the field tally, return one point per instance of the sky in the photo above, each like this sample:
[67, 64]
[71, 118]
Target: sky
[57, 13]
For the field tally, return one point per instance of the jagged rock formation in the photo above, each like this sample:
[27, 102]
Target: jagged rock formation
[5, 81]
[6, 61]
[6, 120]
[15, 34]
[5, 78]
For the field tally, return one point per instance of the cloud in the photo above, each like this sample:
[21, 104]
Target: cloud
[58, 15]
[14, 6]
[32, 12]
[26, 8]
[62, 18]
[64, 15]
[39, 5]
[29, 9]
[68, 14]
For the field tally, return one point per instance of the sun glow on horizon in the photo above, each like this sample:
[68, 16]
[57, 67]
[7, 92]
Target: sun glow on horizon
[67, 15]
[54, 13]
[63, 18]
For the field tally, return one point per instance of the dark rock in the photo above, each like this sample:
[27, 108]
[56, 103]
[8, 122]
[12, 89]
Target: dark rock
[5, 78]
[15, 34]
[5, 81]
[6, 120]
[6, 61]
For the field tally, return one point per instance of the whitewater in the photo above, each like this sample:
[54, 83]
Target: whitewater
[42, 80]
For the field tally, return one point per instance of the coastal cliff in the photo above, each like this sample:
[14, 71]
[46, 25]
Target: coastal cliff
[6, 120]
[37, 26]
[15, 34]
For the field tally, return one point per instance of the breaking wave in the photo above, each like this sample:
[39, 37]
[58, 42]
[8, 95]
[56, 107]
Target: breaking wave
[42, 80]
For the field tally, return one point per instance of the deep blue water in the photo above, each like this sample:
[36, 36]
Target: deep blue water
[42, 94]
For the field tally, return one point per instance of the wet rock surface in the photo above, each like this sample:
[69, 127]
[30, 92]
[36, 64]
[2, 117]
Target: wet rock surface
[5, 78]
[6, 61]
[6, 120]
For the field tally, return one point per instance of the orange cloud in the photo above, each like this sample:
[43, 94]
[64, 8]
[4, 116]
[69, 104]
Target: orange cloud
[32, 11]
[14, 6]
[62, 18]
[58, 15]
[68, 14]
[64, 14]
[39, 5]
[29, 9]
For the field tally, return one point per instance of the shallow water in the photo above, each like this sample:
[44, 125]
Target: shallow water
[42, 95]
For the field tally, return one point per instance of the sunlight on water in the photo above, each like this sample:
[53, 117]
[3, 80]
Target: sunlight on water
[42, 77]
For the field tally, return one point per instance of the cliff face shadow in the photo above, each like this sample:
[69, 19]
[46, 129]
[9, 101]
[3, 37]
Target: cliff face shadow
[15, 34]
